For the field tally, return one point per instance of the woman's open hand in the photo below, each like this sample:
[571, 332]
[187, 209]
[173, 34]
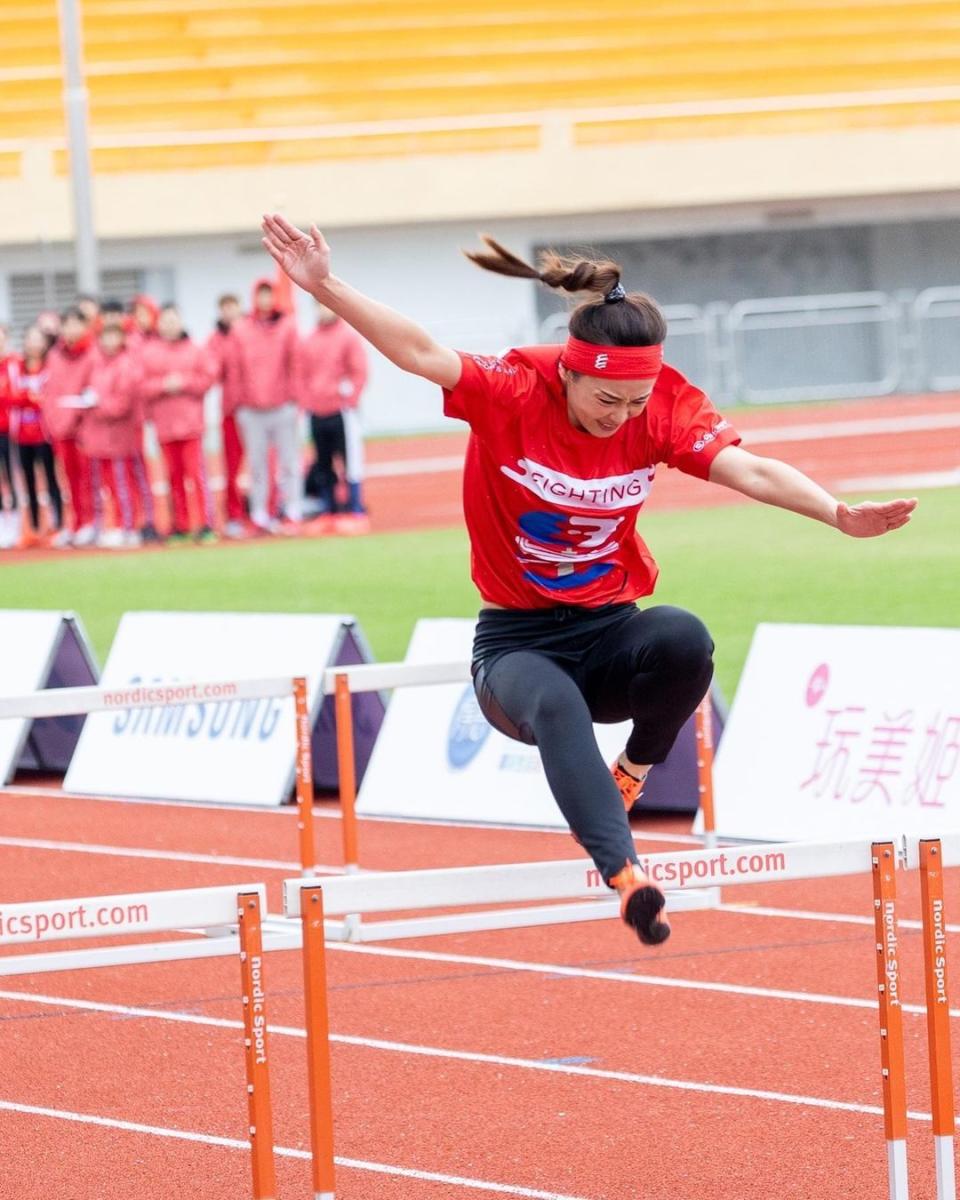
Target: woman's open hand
[305, 257]
[870, 519]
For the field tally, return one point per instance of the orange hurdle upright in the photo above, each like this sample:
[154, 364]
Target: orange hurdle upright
[704, 728]
[347, 772]
[891, 1016]
[255, 1044]
[938, 1014]
[304, 778]
[318, 1042]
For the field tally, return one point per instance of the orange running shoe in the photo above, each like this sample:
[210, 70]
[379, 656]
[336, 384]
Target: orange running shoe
[641, 905]
[631, 786]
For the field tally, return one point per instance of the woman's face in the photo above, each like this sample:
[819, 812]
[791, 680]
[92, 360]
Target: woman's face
[34, 342]
[169, 325]
[601, 407]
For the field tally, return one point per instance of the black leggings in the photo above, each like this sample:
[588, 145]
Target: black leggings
[544, 676]
[330, 441]
[30, 457]
[6, 474]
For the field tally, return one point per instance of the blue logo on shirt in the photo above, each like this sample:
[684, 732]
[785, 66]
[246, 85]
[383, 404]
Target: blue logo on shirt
[468, 731]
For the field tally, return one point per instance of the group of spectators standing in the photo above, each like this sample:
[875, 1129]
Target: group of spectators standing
[75, 400]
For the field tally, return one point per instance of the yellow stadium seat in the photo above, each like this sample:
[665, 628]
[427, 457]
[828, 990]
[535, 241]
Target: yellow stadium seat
[187, 66]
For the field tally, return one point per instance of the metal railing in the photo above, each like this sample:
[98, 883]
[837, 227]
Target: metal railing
[826, 347]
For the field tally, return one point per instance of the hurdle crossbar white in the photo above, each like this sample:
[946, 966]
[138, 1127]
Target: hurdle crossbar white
[63, 702]
[690, 880]
[189, 911]
[311, 901]
[239, 906]
[381, 677]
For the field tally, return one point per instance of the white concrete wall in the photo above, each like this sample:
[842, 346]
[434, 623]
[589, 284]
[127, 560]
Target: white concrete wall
[419, 269]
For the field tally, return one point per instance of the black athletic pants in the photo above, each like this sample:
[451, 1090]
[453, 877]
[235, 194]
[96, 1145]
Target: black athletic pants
[6, 474]
[543, 676]
[329, 438]
[30, 458]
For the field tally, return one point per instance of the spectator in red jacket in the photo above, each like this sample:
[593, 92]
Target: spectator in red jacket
[90, 307]
[34, 448]
[145, 313]
[140, 327]
[112, 434]
[69, 364]
[266, 348]
[220, 348]
[176, 376]
[333, 373]
[9, 507]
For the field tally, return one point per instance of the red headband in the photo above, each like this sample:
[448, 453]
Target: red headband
[614, 362]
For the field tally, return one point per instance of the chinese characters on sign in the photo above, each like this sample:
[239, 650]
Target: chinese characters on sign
[887, 758]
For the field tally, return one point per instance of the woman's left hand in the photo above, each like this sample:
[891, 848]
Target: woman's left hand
[870, 520]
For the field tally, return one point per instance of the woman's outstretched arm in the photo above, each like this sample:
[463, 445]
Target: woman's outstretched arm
[305, 257]
[773, 482]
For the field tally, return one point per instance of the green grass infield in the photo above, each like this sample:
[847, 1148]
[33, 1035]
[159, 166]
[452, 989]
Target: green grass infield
[733, 566]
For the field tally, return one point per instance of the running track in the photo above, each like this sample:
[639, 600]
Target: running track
[565, 1063]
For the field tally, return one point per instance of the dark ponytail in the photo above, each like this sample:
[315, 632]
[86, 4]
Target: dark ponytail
[634, 320]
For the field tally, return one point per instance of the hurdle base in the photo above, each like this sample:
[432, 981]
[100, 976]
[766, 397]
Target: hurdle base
[946, 1171]
[897, 1168]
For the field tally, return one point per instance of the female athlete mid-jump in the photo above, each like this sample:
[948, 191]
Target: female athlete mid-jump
[563, 448]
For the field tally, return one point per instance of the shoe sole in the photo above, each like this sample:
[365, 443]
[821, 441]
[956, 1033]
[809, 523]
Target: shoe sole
[640, 909]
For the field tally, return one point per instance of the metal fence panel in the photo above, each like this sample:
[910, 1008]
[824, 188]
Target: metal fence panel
[814, 347]
[936, 314]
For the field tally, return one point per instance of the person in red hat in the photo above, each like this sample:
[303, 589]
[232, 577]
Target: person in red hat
[112, 434]
[564, 446]
[223, 355]
[34, 448]
[68, 367]
[265, 346]
[176, 376]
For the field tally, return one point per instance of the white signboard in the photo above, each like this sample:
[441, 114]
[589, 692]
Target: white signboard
[843, 730]
[437, 757]
[40, 649]
[221, 750]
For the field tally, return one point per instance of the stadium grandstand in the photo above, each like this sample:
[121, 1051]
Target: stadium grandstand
[408, 126]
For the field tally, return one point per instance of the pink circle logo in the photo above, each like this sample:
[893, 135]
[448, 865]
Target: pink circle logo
[818, 684]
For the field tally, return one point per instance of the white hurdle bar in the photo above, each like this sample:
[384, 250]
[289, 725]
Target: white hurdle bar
[308, 902]
[197, 911]
[64, 702]
[240, 906]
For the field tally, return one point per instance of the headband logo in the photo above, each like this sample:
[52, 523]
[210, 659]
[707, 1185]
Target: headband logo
[600, 362]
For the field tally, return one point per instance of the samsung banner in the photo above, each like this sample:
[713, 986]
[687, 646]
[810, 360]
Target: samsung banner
[843, 731]
[41, 649]
[438, 758]
[217, 749]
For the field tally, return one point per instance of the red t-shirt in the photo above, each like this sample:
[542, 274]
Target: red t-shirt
[551, 510]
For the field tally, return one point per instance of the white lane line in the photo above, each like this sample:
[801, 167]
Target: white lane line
[271, 864]
[350, 1164]
[797, 914]
[432, 465]
[864, 427]
[666, 981]
[881, 483]
[497, 1060]
[333, 814]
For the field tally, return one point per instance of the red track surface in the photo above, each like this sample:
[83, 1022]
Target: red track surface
[510, 1123]
[729, 1014]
